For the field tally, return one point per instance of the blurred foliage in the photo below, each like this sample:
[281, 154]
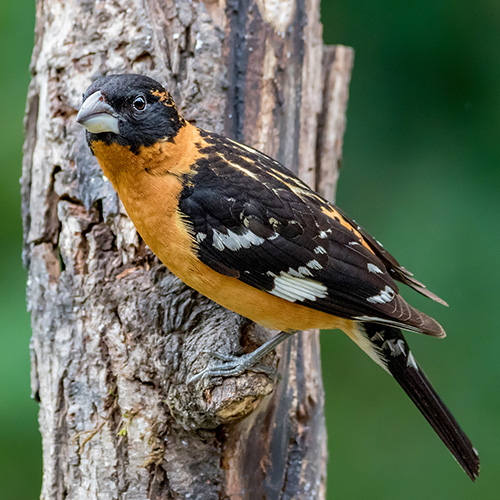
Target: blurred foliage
[421, 173]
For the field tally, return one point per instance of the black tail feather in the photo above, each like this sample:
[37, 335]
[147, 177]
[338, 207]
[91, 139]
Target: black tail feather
[397, 358]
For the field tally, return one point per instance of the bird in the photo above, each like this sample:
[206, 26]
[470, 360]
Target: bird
[241, 229]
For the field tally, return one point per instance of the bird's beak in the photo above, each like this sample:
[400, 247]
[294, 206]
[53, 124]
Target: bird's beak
[97, 116]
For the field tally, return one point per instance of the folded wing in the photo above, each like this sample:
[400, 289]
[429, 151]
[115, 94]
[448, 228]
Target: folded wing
[254, 220]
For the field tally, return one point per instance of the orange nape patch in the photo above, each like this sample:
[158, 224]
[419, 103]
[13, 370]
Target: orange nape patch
[164, 98]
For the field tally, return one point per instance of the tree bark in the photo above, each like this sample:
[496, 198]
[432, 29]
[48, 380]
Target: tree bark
[115, 335]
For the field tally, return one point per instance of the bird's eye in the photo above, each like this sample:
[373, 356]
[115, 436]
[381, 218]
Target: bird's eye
[139, 103]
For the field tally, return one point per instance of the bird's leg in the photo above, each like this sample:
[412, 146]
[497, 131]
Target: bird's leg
[236, 365]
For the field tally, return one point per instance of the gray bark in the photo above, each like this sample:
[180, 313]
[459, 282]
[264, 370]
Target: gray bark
[115, 335]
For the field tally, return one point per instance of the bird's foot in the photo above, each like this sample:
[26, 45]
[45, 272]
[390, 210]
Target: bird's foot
[233, 366]
[236, 365]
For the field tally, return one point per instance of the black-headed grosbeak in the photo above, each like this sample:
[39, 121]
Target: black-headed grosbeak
[241, 229]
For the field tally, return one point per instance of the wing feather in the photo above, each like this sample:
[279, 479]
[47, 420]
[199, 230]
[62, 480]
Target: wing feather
[262, 225]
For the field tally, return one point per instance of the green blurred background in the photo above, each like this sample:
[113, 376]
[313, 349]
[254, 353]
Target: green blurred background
[420, 172]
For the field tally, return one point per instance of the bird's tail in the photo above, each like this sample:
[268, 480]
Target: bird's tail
[387, 346]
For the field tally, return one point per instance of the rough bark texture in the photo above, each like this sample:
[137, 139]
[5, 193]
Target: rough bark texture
[115, 335]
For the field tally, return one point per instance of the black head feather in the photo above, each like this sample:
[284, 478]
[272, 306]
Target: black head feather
[159, 120]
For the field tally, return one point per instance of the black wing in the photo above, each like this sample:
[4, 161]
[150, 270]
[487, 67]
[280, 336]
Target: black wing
[254, 220]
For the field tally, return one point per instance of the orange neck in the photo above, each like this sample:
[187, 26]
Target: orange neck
[174, 156]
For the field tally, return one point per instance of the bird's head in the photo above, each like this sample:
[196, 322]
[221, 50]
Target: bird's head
[129, 110]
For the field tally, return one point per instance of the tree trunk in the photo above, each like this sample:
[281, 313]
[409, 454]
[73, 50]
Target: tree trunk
[115, 335]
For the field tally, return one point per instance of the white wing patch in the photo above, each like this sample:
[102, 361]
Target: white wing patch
[293, 286]
[372, 268]
[234, 241]
[320, 249]
[314, 264]
[385, 295]
[200, 237]
[301, 272]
